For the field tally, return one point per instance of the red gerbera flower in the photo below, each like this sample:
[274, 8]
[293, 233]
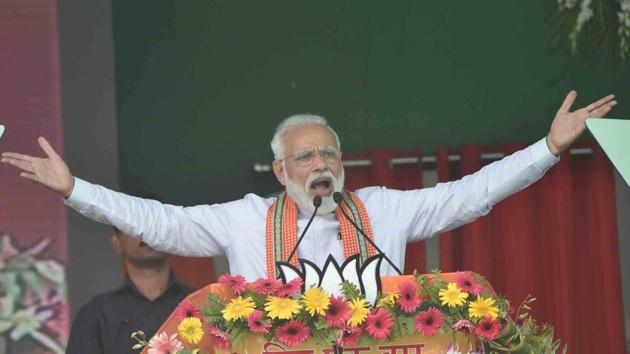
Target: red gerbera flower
[379, 324]
[338, 312]
[220, 338]
[291, 288]
[186, 309]
[349, 336]
[467, 283]
[236, 283]
[266, 286]
[257, 324]
[293, 333]
[429, 322]
[488, 328]
[408, 299]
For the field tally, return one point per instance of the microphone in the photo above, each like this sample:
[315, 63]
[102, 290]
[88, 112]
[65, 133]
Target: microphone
[317, 202]
[338, 198]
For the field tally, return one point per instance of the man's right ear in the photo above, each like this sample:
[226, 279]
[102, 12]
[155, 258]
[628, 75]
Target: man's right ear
[116, 242]
[278, 170]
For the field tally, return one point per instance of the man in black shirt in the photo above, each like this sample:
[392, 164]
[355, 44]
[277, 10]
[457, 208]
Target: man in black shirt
[149, 295]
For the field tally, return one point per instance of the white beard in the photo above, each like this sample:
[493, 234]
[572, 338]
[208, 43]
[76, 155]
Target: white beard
[300, 193]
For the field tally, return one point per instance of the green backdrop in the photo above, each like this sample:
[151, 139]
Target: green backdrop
[202, 84]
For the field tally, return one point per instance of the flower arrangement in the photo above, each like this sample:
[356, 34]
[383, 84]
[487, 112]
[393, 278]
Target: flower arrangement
[599, 24]
[33, 303]
[427, 304]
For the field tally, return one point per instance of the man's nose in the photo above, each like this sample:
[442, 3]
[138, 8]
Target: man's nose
[318, 162]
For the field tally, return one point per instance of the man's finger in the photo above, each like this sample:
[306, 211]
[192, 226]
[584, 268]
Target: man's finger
[43, 143]
[568, 102]
[30, 177]
[22, 165]
[15, 155]
[600, 102]
[603, 110]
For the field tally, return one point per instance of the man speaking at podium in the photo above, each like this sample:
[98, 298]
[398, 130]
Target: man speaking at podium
[255, 232]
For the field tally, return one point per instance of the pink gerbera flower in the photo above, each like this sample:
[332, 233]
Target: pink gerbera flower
[187, 309]
[408, 299]
[163, 344]
[488, 328]
[463, 326]
[293, 333]
[220, 338]
[291, 288]
[236, 283]
[338, 312]
[429, 322]
[467, 283]
[378, 324]
[349, 336]
[266, 286]
[257, 324]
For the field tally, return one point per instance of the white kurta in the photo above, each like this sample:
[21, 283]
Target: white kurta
[237, 228]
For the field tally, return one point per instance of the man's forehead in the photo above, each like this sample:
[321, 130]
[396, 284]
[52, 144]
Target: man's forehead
[308, 136]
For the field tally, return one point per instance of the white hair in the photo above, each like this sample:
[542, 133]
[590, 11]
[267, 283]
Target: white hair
[294, 121]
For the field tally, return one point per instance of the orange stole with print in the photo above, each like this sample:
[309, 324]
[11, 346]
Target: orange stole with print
[281, 231]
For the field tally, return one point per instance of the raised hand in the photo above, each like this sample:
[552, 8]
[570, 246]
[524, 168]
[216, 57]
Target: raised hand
[50, 171]
[568, 126]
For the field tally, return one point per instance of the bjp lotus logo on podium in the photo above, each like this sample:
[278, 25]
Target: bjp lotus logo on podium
[365, 277]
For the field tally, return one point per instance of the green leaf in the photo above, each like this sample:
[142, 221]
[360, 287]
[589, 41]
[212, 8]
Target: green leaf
[350, 291]
[5, 326]
[406, 325]
[326, 337]
[32, 281]
[321, 323]
[26, 323]
[236, 336]
[11, 286]
[6, 307]
[51, 270]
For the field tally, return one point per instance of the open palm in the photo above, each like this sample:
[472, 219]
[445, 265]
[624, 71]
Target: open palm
[568, 126]
[50, 171]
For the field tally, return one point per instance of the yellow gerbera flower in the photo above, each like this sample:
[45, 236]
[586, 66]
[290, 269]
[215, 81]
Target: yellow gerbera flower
[238, 308]
[359, 309]
[316, 301]
[281, 307]
[452, 295]
[388, 300]
[483, 307]
[190, 330]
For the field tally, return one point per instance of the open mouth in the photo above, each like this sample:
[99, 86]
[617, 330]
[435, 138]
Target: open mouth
[322, 186]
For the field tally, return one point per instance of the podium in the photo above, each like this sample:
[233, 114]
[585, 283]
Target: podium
[413, 343]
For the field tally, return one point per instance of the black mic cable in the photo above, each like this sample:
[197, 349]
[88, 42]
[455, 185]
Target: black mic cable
[338, 198]
[317, 202]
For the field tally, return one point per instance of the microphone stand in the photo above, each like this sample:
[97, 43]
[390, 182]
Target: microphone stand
[338, 198]
[317, 202]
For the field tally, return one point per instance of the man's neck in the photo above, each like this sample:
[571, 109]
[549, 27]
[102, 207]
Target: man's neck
[150, 281]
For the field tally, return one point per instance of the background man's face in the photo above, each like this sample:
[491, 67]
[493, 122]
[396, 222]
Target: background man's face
[136, 251]
[305, 138]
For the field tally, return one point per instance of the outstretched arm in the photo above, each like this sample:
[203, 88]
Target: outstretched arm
[190, 231]
[449, 205]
